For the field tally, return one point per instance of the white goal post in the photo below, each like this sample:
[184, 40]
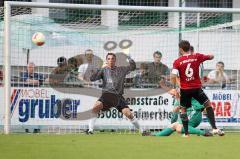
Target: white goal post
[7, 32]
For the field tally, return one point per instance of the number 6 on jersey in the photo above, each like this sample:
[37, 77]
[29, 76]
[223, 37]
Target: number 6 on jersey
[189, 71]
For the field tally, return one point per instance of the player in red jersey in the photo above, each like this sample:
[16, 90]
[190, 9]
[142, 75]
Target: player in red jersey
[187, 68]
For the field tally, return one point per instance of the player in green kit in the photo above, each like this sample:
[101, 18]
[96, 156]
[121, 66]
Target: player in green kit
[195, 116]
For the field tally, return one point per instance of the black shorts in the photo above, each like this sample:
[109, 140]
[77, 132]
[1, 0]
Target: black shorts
[186, 96]
[116, 101]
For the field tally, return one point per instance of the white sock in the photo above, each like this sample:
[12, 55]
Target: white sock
[91, 124]
[134, 121]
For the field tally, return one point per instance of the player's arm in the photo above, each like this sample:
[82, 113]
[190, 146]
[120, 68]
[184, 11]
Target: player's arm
[163, 86]
[132, 63]
[173, 78]
[174, 74]
[226, 77]
[170, 90]
[166, 88]
[211, 56]
[178, 81]
[204, 57]
[126, 69]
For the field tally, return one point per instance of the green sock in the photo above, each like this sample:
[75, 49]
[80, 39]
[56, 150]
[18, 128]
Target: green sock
[164, 132]
[193, 130]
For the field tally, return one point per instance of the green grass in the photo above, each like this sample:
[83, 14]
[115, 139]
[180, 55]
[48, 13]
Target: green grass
[118, 146]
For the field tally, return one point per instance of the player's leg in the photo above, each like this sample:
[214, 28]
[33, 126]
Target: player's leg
[194, 121]
[175, 112]
[184, 118]
[202, 98]
[211, 119]
[185, 102]
[193, 130]
[167, 131]
[164, 132]
[123, 107]
[95, 110]
[105, 102]
[127, 112]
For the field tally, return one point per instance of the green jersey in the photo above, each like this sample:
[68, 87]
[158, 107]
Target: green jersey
[194, 113]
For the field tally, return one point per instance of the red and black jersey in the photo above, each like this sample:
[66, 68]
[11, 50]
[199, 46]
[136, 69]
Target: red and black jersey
[187, 67]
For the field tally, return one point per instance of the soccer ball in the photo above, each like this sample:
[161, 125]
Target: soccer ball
[38, 39]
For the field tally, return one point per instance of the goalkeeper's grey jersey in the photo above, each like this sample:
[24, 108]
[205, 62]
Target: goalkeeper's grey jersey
[113, 78]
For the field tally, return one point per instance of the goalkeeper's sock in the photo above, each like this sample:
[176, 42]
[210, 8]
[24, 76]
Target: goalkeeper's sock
[164, 132]
[174, 117]
[134, 121]
[91, 124]
[211, 117]
[193, 130]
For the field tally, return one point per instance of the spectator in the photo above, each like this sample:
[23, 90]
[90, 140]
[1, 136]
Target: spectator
[61, 61]
[218, 75]
[58, 75]
[72, 69]
[31, 78]
[157, 70]
[73, 65]
[62, 65]
[85, 70]
[1, 77]
[141, 77]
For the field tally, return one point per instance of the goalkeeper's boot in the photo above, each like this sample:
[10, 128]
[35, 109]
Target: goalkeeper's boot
[218, 132]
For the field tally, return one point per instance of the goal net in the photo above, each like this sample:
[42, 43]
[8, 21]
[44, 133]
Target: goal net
[49, 93]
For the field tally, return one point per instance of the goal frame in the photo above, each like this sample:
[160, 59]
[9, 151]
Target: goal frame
[7, 37]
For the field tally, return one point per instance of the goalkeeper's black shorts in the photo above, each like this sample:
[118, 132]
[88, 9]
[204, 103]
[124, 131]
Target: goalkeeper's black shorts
[110, 100]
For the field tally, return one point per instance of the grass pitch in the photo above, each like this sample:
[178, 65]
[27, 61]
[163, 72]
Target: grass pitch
[118, 146]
